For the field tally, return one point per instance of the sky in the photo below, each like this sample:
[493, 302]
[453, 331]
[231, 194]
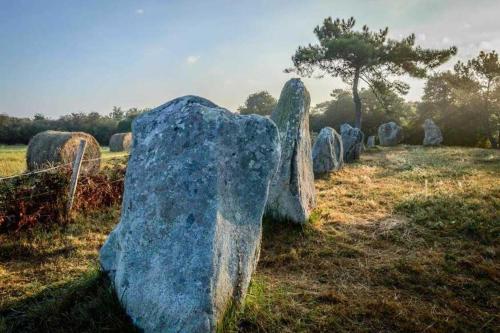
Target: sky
[63, 56]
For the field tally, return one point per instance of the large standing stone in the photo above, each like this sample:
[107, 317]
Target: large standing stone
[195, 192]
[327, 151]
[390, 134]
[370, 143]
[433, 135]
[352, 142]
[291, 194]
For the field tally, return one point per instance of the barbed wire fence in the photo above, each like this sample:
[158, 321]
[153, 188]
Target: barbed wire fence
[56, 167]
[62, 166]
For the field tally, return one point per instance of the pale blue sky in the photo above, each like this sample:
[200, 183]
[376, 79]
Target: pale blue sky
[64, 56]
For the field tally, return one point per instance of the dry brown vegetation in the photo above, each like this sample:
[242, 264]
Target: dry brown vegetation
[42, 198]
[405, 241]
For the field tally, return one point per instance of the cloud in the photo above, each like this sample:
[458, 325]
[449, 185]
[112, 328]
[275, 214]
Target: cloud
[139, 11]
[192, 59]
[446, 40]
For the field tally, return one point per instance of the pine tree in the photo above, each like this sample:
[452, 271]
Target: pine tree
[366, 56]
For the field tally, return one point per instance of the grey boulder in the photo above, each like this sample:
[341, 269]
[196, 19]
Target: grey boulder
[370, 143]
[433, 135]
[352, 142]
[390, 134]
[327, 152]
[291, 193]
[190, 229]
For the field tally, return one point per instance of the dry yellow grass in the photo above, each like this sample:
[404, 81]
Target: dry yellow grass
[404, 241]
[13, 159]
[372, 261]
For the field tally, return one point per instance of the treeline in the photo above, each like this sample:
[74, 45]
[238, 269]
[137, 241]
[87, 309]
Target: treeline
[457, 106]
[20, 130]
[463, 102]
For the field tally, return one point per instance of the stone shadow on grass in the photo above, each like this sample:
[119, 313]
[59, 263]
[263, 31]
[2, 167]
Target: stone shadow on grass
[88, 304]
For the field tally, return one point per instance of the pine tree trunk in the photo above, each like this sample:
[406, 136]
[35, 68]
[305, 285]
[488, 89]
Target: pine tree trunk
[493, 141]
[491, 135]
[356, 99]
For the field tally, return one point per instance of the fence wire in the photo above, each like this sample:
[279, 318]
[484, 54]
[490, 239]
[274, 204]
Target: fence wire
[61, 166]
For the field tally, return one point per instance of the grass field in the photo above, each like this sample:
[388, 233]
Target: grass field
[13, 159]
[404, 241]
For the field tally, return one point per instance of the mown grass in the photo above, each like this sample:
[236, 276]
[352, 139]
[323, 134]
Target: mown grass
[13, 159]
[50, 280]
[404, 241]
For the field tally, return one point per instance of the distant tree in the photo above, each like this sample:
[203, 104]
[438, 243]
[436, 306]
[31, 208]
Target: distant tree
[39, 116]
[261, 103]
[125, 125]
[465, 102]
[485, 70]
[15, 130]
[117, 113]
[368, 56]
[340, 110]
[452, 102]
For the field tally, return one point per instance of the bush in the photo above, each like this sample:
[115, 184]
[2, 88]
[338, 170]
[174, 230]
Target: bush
[42, 198]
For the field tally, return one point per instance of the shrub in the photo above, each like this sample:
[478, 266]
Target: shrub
[42, 198]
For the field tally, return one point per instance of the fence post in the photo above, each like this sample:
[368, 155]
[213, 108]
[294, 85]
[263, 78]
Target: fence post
[75, 174]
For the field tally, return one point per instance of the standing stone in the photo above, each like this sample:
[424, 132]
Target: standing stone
[390, 134]
[327, 151]
[352, 142]
[433, 135]
[371, 141]
[195, 192]
[291, 193]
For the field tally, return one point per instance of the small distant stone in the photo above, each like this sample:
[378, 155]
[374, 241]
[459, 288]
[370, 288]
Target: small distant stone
[390, 134]
[327, 151]
[433, 135]
[352, 142]
[371, 141]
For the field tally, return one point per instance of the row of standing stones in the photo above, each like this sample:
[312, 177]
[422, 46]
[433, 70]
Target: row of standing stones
[332, 149]
[198, 183]
[391, 134]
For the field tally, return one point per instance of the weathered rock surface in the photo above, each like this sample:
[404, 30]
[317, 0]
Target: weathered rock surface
[390, 134]
[370, 143]
[190, 229]
[433, 135]
[352, 142]
[327, 151]
[291, 193]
